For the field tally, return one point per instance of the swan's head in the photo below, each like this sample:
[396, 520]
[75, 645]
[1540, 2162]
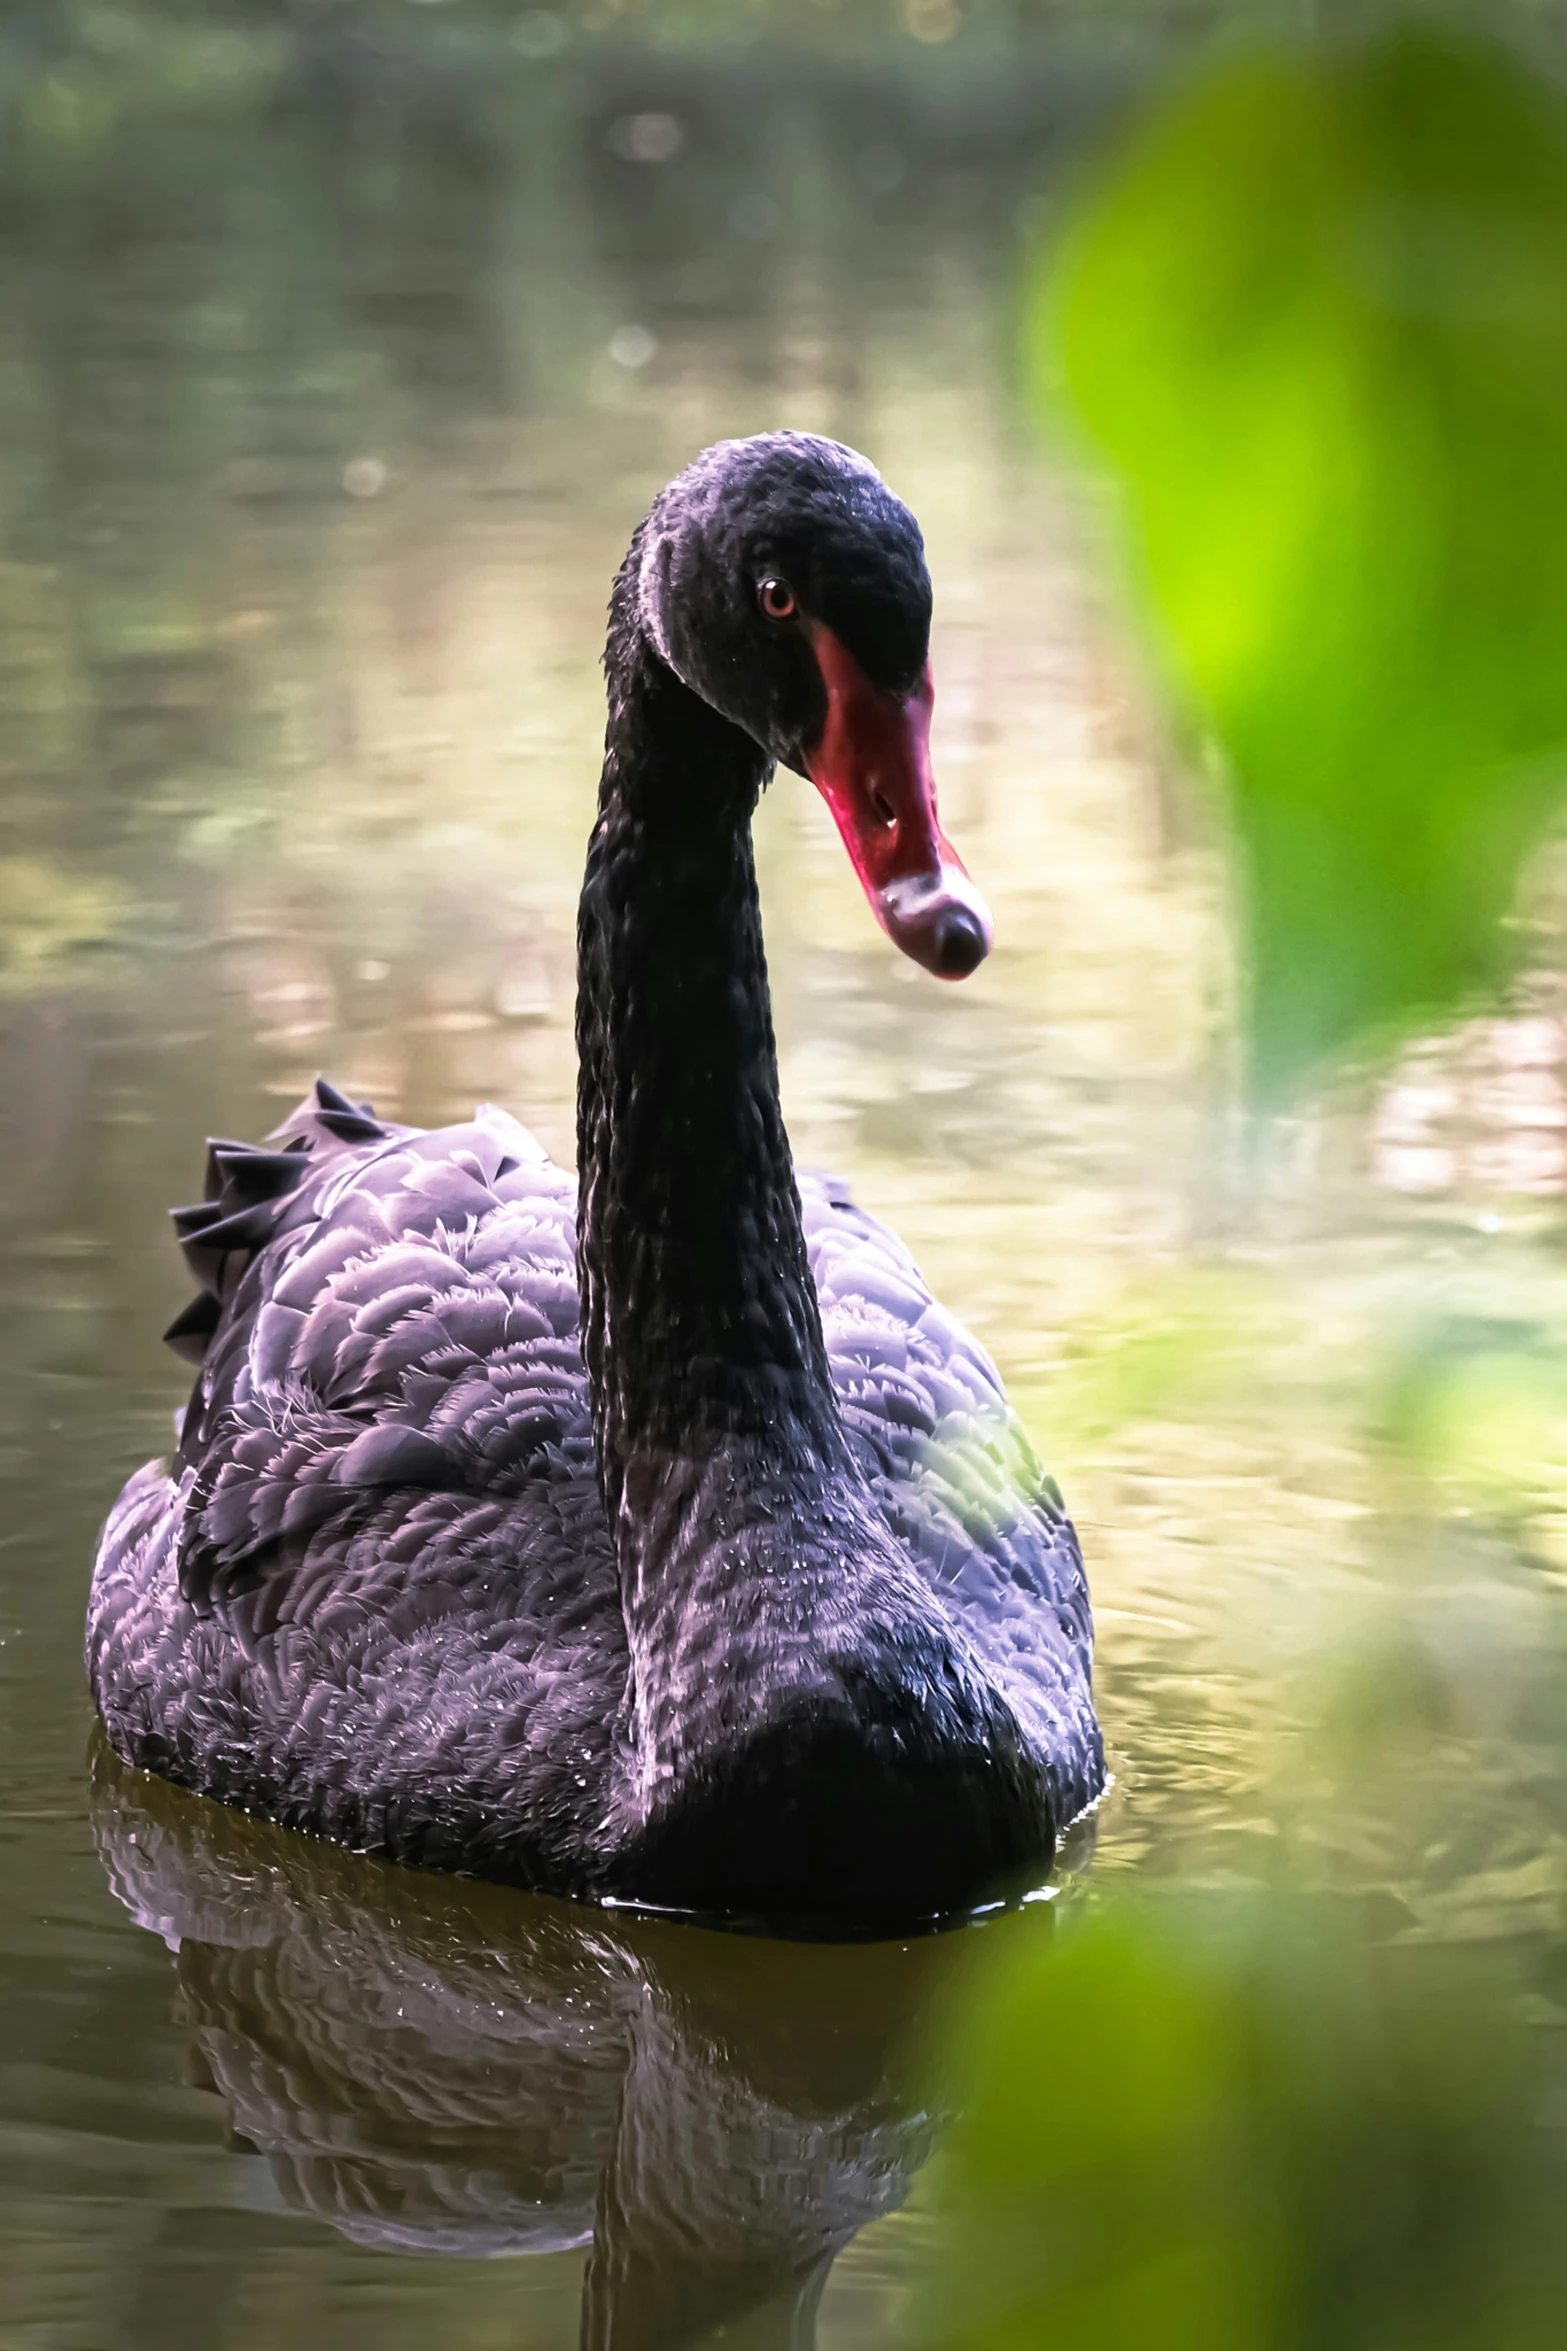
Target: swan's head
[783, 582]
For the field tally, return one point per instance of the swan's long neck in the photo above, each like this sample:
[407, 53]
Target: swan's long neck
[700, 1325]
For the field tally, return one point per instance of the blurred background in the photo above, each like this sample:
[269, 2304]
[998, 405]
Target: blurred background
[342, 344]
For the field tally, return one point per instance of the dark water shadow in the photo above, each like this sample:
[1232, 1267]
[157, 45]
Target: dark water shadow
[437, 2066]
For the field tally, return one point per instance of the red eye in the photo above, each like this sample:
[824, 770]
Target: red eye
[777, 599]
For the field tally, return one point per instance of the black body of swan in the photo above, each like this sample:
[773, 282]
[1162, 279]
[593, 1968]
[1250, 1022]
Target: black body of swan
[436, 2067]
[682, 1550]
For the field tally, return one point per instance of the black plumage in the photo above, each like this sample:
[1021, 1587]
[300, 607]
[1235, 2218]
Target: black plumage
[652, 1535]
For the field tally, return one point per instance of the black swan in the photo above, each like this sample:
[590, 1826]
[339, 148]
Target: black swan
[434, 2067]
[682, 1551]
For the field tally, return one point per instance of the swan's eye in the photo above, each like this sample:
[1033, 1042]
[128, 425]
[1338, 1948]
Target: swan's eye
[776, 598]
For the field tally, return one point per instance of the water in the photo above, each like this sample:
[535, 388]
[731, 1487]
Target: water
[326, 415]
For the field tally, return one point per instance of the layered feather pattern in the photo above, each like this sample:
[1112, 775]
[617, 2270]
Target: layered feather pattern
[375, 1593]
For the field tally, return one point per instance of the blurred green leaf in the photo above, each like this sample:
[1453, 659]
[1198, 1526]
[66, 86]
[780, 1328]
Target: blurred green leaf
[1317, 319]
[1181, 1348]
[1483, 1413]
[1244, 2124]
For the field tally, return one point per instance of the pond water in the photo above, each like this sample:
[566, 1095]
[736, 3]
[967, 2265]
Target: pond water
[326, 413]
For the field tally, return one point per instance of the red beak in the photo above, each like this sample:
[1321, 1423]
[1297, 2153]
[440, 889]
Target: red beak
[871, 764]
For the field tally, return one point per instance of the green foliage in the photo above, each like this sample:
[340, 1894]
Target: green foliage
[1226, 2126]
[1483, 1412]
[1317, 319]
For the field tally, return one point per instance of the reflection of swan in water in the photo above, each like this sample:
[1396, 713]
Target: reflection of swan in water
[447, 2067]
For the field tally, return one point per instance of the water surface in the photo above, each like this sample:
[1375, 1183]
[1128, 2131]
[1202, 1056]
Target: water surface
[323, 432]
